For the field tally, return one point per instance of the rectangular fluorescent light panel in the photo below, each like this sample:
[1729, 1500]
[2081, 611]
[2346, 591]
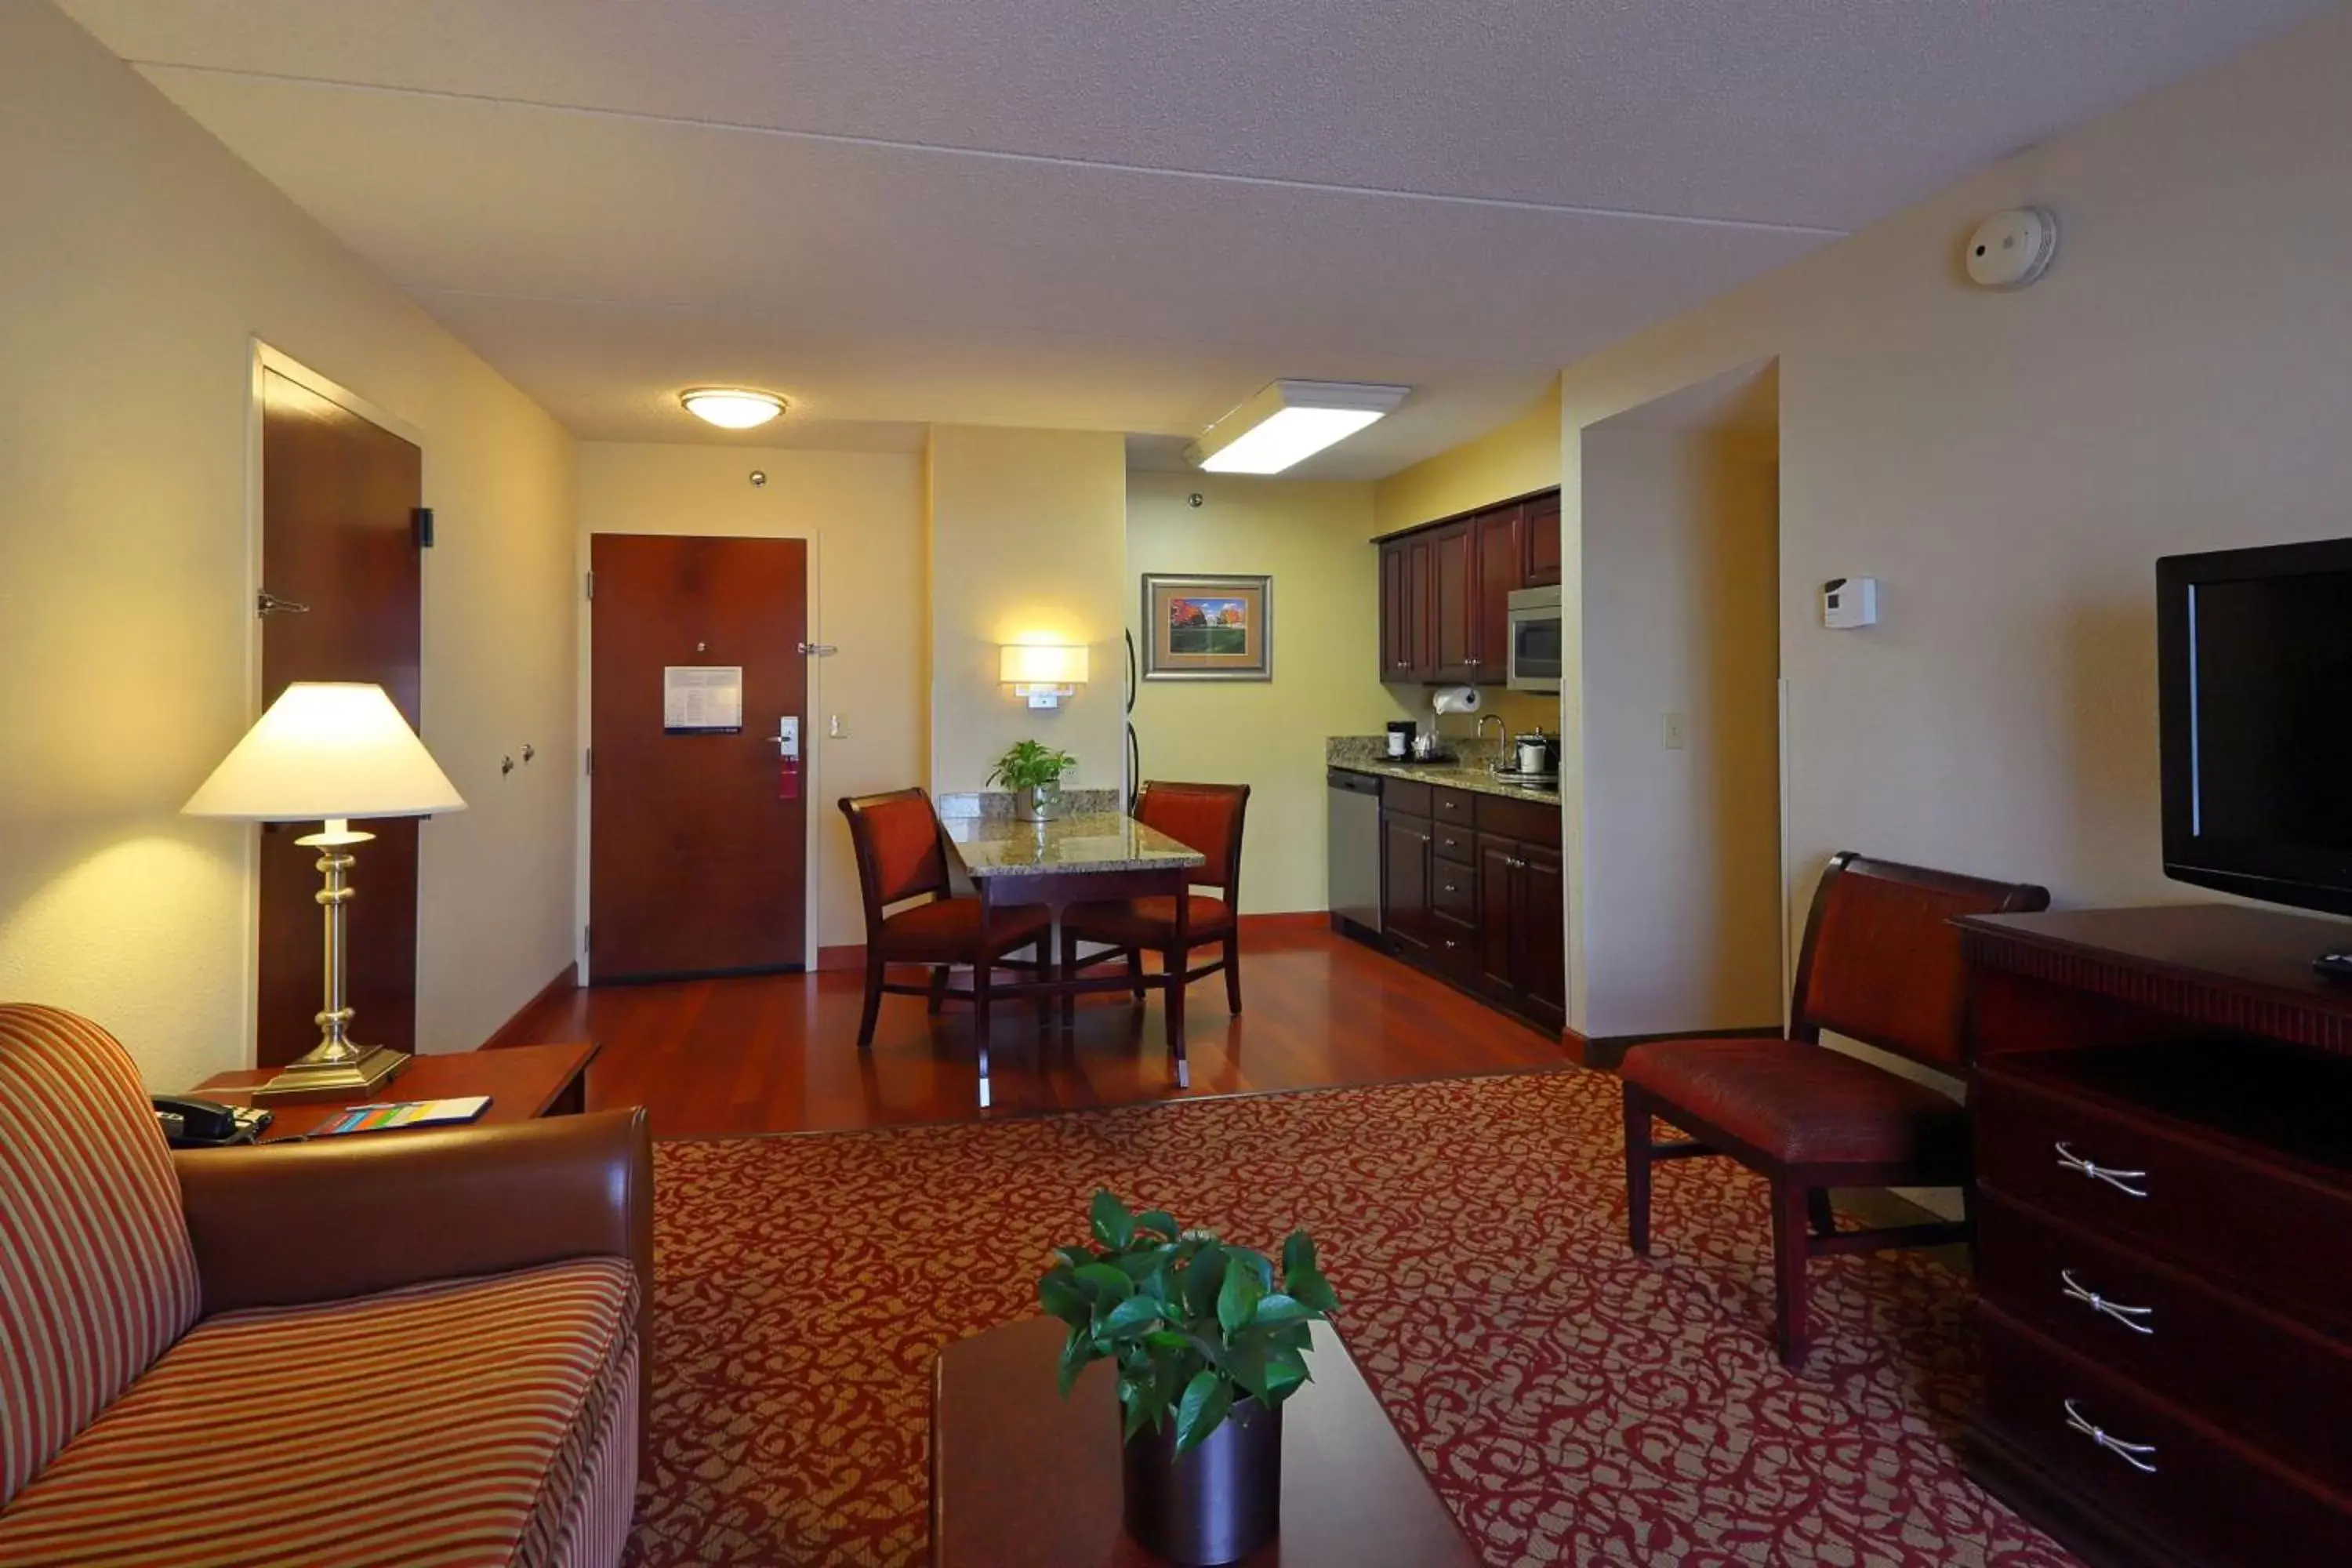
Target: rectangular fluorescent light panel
[1287, 422]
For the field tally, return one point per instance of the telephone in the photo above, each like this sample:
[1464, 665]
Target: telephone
[207, 1124]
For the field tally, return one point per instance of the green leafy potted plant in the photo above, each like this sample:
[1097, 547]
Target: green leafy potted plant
[1208, 1343]
[1032, 771]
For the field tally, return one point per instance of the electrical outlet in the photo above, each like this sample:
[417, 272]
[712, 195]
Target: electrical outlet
[836, 729]
[1677, 734]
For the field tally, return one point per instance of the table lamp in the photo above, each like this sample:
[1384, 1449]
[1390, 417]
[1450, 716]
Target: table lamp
[328, 752]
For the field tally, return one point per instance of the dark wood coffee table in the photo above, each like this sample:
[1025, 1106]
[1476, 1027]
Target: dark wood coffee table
[524, 1083]
[1019, 1476]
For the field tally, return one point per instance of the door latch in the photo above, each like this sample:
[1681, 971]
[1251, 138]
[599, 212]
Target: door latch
[266, 603]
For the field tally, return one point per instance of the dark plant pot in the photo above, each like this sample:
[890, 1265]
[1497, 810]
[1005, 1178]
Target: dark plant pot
[1216, 1504]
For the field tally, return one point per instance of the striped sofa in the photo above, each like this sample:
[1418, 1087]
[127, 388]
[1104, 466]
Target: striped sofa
[420, 1348]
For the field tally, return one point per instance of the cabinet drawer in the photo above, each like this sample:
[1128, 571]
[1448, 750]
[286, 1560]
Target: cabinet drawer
[1405, 796]
[1456, 843]
[1456, 806]
[2280, 1386]
[2201, 1492]
[1452, 945]
[1454, 887]
[1528, 821]
[2211, 1210]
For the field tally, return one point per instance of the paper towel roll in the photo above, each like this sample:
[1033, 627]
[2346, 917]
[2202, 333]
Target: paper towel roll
[1457, 699]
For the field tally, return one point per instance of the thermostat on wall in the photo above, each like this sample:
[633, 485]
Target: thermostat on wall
[1849, 602]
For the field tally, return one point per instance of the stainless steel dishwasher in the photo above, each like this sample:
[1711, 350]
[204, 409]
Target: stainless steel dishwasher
[1355, 848]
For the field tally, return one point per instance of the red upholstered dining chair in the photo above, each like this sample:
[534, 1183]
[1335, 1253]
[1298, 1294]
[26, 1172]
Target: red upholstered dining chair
[1202, 816]
[902, 855]
[1881, 963]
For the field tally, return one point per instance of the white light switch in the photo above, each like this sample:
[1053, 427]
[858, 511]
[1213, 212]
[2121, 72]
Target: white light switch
[835, 728]
[1677, 733]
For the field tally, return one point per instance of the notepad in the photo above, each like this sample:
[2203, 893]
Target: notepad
[405, 1114]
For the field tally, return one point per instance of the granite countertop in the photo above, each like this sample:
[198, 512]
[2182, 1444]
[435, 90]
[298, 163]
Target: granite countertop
[1367, 754]
[1092, 841]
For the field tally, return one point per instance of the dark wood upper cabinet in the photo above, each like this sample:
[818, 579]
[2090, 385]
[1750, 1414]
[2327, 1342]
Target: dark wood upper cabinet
[1397, 619]
[1497, 560]
[1446, 591]
[1453, 617]
[1539, 541]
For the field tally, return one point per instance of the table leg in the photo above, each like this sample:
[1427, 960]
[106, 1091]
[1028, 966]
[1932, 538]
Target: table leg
[980, 972]
[1180, 960]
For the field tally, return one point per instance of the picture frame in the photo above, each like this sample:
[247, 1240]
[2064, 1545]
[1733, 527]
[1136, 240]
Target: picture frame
[1207, 626]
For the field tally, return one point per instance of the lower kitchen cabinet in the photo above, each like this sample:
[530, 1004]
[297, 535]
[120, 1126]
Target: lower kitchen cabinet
[1472, 890]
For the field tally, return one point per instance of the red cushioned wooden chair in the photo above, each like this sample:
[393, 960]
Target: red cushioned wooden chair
[1881, 963]
[1202, 816]
[902, 855]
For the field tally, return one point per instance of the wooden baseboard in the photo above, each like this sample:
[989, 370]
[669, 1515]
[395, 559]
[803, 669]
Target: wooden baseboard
[853, 956]
[514, 1031]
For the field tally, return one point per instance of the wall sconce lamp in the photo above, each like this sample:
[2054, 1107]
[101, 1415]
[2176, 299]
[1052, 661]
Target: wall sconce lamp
[1043, 674]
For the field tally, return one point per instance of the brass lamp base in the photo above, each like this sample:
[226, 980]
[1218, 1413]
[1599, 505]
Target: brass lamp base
[357, 1073]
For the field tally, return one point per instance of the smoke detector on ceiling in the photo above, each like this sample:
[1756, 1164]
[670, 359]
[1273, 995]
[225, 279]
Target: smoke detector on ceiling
[2011, 250]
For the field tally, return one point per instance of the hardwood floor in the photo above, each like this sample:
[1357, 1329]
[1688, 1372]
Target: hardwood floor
[778, 1054]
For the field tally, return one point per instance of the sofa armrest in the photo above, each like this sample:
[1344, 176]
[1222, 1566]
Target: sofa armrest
[349, 1216]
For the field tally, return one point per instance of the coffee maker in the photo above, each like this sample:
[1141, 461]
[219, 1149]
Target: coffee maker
[1401, 737]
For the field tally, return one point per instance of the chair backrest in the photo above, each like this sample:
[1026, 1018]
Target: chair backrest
[899, 856]
[96, 1277]
[1881, 961]
[1203, 816]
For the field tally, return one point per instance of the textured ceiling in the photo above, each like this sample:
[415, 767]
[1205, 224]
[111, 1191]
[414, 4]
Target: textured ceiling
[1121, 216]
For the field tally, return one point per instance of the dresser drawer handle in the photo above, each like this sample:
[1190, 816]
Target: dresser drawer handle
[2120, 1180]
[2132, 1318]
[2140, 1457]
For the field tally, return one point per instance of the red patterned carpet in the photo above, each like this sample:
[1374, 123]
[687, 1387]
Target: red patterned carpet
[1576, 1404]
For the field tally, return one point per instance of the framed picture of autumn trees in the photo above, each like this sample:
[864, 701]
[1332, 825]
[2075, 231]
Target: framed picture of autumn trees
[1208, 629]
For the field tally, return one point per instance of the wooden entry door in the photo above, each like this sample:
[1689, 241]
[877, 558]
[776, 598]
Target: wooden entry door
[698, 848]
[339, 500]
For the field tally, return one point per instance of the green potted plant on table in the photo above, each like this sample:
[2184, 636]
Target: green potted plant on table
[1208, 1343]
[1032, 771]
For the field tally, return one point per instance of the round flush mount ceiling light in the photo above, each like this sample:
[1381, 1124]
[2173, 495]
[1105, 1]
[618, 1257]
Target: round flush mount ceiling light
[731, 408]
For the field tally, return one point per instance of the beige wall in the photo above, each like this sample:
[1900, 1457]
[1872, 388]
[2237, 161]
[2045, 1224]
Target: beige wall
[137, 261]
[862, 514]
[1314, 541]
[1027, 542]
[1681, 600]
[2010, 465]
[1509, 460]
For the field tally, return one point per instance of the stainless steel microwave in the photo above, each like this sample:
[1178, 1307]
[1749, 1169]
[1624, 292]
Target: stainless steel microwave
[1535, 640]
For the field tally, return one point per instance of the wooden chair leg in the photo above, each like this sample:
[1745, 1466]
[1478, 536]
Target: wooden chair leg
[938, 997]
[1792, 1329]
[1234, 972]
[873, 1010]
[1637, 1170]
[1817, 1210]
[1175, 962]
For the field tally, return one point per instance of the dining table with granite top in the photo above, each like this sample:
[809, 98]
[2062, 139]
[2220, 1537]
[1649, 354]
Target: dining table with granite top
[1014, 861]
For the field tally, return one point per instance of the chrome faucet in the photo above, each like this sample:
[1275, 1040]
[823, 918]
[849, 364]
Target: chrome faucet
[1502, 738]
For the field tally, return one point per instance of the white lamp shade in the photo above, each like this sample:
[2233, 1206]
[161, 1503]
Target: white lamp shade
[327, 750]
[1030, 664]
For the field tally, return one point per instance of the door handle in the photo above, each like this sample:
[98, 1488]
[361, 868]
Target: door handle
[787, 738]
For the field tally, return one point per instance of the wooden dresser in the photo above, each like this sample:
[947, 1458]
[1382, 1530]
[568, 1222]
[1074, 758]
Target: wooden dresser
[2163, 1113]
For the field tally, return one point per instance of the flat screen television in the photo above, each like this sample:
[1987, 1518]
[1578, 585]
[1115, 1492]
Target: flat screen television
[2254, 693]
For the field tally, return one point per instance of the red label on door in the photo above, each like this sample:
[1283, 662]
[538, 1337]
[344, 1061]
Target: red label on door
[788, 780]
